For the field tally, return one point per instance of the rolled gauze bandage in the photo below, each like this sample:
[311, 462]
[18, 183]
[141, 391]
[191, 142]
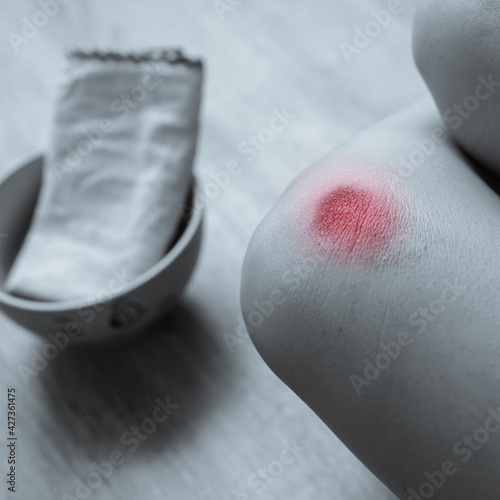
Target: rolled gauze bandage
[115, 177]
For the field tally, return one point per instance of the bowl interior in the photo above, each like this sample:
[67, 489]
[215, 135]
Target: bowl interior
[18, 198]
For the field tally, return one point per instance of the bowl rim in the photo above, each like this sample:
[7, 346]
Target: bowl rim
[195, 220]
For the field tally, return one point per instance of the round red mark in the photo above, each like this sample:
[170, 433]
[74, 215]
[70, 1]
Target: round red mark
[353, 217]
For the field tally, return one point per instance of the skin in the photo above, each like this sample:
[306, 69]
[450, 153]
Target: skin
[455, 43]
[429, 288]
[371, 288]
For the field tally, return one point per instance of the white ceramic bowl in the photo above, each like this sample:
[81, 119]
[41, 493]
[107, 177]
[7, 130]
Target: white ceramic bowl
[124, 313]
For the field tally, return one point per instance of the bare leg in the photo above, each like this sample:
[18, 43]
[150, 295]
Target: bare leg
[388, 327]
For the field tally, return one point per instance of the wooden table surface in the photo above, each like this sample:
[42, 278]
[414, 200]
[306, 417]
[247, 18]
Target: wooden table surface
[234, 416]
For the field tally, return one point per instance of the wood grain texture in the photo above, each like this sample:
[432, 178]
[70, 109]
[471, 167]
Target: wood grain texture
[234, 414]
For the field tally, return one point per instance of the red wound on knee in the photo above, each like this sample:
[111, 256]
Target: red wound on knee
[353, 217]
